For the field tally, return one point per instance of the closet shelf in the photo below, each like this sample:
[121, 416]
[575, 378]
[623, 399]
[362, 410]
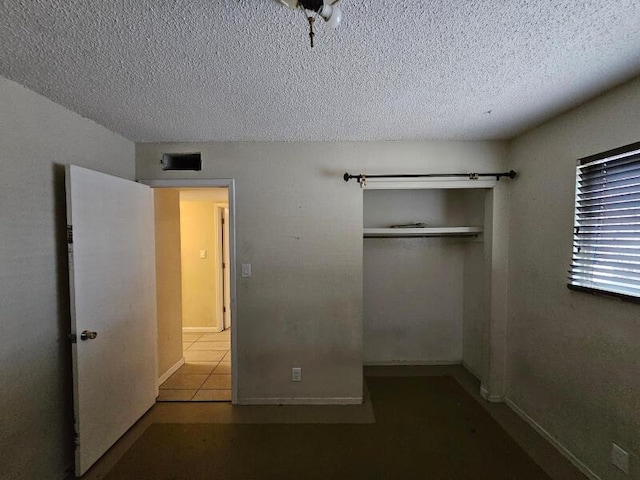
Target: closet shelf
[422, 232]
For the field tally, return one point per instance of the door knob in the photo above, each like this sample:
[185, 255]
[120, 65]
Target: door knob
[88, 335]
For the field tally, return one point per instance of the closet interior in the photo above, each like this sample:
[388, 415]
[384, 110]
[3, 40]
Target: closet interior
[426, 274]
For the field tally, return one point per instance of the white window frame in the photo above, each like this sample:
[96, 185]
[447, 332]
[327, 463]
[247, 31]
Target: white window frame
[606, 240]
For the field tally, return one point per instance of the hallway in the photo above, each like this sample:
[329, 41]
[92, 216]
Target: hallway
[206, 374]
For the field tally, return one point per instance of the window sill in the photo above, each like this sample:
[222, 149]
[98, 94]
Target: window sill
[604, 293]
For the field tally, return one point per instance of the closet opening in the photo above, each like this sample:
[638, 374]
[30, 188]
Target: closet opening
[427, 264]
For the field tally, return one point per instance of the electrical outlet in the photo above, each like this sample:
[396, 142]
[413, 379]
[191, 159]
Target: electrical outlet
[620, 458]
[296, 374]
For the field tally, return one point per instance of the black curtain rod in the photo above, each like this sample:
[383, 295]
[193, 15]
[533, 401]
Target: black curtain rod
[470, 176]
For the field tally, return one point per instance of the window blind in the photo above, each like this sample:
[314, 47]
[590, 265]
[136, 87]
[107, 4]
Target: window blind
[606, 239]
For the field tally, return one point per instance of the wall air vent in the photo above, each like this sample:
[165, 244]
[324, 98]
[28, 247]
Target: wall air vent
[181, 161]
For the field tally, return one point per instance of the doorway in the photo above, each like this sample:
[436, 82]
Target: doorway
[196, 291]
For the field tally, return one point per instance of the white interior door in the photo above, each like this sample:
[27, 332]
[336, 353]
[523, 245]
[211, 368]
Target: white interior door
[226, 282]
[112, 289]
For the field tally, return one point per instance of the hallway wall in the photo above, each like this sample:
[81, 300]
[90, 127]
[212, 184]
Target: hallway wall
[198, 231]
[168, 278]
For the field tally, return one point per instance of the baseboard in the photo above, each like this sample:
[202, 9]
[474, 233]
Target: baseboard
[484, 393]
[552, 440]
[302, 401]
[472, 371]
[68, 474]
[200, 330]
[408, 363]
[171, 371]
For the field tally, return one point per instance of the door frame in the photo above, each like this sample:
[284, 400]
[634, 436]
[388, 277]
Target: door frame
[229, 183]
[223, 239]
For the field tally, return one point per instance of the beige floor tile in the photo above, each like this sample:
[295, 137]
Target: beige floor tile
[184, 381]
[204, 367]
[223, 368]
[191, 337]
[215, 337]
[210, 346]
[176, 395]
[212, 396]
[217, 382]
[203, 356]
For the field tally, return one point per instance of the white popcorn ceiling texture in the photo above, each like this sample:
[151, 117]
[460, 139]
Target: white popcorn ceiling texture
[206, 70]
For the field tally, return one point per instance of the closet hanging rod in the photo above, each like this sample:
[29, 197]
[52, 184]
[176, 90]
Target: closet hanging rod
[471, 176]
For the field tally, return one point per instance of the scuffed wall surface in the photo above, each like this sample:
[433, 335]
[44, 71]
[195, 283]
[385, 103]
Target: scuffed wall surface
[300, 226]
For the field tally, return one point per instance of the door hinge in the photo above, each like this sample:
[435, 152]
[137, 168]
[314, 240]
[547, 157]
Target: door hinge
[73, 338]
[69, 233]
[224, 309]
[224, 265]
[223, 221]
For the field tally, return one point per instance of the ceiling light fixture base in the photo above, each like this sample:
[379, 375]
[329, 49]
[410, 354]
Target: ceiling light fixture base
[328, 10]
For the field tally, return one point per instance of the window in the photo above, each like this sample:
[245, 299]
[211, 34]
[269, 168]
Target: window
[606, 240]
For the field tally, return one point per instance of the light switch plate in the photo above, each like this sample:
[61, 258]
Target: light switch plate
[246, 270]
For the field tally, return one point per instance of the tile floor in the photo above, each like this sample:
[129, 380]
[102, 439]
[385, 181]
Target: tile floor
[206, 374]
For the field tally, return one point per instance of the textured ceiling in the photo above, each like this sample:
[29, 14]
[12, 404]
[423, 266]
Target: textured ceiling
[204, 70]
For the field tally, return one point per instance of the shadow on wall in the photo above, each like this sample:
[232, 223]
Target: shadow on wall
[63, 307]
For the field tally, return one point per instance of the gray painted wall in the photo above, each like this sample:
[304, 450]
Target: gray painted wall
[37, 137]
[573, 358]
[300, 226]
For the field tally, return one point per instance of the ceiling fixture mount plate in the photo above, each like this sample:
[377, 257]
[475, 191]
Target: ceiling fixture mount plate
[328, 10]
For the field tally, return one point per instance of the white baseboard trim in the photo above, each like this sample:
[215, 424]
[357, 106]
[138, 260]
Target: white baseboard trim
[201, 330]
[302, 401]
[552, 440]
[484, 393]
[408, 363]
[171, 371]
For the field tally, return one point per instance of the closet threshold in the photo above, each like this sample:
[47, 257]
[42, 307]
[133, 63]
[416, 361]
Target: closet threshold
[422, 232]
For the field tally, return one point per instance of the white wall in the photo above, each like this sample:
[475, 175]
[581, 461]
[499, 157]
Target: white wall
[37, 137]
[414, 288]
[574, 358]
[300, 226]
[476, 295]
[475, 307]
